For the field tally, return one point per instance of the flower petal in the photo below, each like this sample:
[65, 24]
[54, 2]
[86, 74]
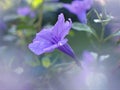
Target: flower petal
[45, 34]
[59, 25]
[79, 8]
[88, 4]
[43, 46]
[38, 47]
[70, 8]
[82, 17]
[75, 7]
[61, 28]
[67, 26]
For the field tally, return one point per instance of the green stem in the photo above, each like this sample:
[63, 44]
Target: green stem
[111, 36]
[107, 38]
[39, 23]
[102, 33]
[103, 24]
[95, 34]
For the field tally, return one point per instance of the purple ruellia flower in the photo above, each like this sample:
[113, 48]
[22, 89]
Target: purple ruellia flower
[79, 8]
[24, 11]
[49, 39]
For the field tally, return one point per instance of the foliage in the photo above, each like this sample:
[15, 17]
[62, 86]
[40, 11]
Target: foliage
[93, 35]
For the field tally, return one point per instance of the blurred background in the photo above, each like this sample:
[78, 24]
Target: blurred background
[21, 69]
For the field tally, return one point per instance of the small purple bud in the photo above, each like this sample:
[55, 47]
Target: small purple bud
[24, 11]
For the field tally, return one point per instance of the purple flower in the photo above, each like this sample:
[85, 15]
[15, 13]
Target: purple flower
[49, 39]
[2, 25]
[24, 11]
[79, 8]
[88, 59]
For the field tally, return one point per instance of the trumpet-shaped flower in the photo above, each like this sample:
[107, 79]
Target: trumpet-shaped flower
[49, 39]
[79, 8]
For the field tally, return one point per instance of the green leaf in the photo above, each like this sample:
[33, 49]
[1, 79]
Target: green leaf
[46, 62]
[115, 34]
[82, 27]
[24, 26]
[32, 61]
[29, 32]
